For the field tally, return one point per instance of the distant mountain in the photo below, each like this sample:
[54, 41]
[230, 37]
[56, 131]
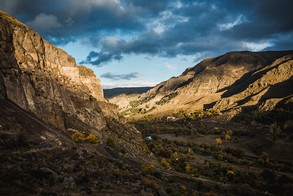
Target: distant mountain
[231, 81]
[109, 93]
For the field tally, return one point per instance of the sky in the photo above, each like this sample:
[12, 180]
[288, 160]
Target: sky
[143, 42]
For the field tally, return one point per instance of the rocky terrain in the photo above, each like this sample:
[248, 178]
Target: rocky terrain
[60, 136]
[226, 120]
[233, 81]
[58, 133]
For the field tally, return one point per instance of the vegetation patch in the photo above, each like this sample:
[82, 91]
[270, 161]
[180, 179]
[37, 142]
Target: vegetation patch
[224, 158]
[166, 98]
[139, 102]
[81, 137]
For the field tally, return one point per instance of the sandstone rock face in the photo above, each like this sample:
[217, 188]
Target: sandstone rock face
[44, 79]
[265, 87]
[230, 81]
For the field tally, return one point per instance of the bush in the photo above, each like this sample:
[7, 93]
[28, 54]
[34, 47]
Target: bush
[228, 136]
[188, 168]
[110, 142]
[218, 141]
[148, 169]
[166, 98]
[92, 139]
[165, 162]
[78, 137]
[230, 173]
[175, 155]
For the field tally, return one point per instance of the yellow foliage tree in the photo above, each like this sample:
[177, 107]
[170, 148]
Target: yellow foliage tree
[189, 151]
[165, 162]
[92, 138]
[78, 136]
[227, 137]
[230, 173]
[188, 168]
[148, 168]
[218, 141]
[175, 155]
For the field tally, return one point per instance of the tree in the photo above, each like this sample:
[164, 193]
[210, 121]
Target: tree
[77, 136]
[92, 138]
[188, 168]
[148, 169]
[218, 141]
[189, 151]
[165, 162]
[175, 155]
[227, 137]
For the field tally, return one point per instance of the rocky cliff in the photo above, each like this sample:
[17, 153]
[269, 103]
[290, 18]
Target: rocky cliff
[45, 80]
[233, 80]
[57, 132]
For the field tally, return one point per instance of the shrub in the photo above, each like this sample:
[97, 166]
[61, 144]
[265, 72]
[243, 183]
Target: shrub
[218, 141]
[78, 137]
[175, 155]
[230, 173]
[189, 151]
[165, 162]
[227, 137]
[148, 169]
[92, 139]
[188, 168]
[110, 142]
[166, 98]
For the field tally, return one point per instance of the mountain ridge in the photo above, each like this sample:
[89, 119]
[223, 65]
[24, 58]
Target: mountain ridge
[208, 84]
[109, 93]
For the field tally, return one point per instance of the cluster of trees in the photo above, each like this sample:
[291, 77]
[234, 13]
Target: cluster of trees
[80, 137]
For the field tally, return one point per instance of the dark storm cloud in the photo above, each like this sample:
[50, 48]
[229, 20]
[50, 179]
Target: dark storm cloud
[77, 19]
[112, 76]
[267, 18]
[163, 28]
[96, 58]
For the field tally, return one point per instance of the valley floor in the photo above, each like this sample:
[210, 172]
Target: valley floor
[235, 157]
[180, 157]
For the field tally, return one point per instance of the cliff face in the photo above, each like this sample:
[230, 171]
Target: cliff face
[45, 80]
[230, 81]
[265, 87]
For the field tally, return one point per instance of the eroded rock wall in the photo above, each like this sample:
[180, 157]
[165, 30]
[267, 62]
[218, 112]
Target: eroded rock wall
[44, 79]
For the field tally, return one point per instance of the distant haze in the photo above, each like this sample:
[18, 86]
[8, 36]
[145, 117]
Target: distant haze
[109, 93]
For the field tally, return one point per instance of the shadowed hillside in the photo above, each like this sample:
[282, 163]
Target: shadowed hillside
[110, 93]
[230, 81]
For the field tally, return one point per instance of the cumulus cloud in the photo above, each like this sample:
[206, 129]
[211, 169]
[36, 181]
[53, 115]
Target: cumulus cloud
[256, 46]
[44, 22]
[159, 28]
[112, 76]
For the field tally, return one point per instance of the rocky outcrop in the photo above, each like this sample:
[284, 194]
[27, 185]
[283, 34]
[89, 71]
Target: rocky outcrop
[265, 87]
[230, 81]
[45, 80]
